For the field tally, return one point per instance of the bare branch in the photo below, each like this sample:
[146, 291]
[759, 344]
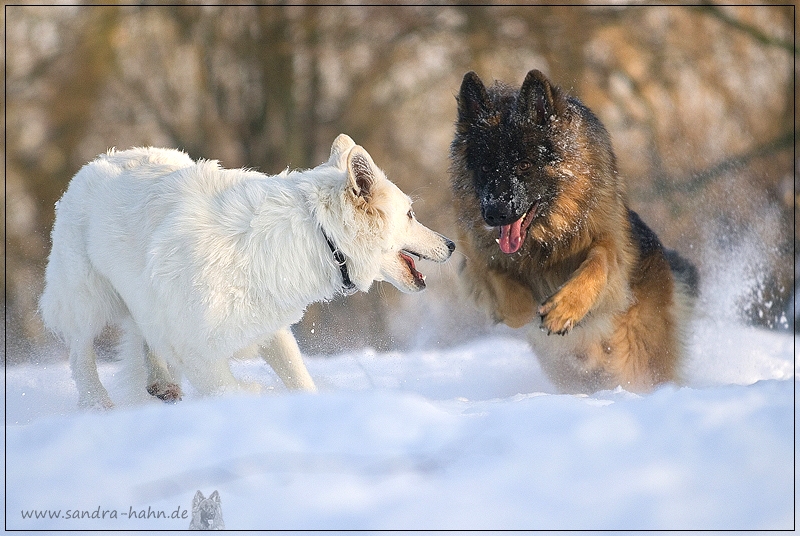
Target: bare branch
[754, 32]
[701, 178]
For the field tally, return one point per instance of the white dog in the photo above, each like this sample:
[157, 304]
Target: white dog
[197, 263]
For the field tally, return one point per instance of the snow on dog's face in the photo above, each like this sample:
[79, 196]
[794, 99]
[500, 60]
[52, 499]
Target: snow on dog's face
[383, 216]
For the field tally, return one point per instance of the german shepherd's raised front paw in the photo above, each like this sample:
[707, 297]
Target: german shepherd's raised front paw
[559, 315]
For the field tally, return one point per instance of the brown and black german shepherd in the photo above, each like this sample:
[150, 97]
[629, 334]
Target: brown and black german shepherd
[549, 241]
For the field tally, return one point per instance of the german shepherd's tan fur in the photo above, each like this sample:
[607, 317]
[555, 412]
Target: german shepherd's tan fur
[536, 167]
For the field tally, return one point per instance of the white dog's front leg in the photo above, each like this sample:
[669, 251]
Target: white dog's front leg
[213, 377]
[283, 355]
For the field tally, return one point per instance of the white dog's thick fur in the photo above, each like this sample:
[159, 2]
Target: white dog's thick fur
[197, 263]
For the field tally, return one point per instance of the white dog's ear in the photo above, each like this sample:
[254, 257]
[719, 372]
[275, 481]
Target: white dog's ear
[360, 172]
[341, 146]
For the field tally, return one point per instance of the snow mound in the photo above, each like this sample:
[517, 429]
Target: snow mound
[472, 437]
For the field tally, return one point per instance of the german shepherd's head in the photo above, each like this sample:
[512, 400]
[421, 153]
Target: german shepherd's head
[532, 158]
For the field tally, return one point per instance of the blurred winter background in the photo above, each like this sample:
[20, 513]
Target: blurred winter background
[698, 101]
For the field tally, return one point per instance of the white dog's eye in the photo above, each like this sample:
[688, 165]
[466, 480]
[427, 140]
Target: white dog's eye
[410, 214]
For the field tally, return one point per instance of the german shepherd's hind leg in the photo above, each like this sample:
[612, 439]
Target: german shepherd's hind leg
[283, 355]
[83, 363]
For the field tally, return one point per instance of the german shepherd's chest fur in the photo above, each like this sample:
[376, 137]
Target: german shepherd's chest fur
[547, 234]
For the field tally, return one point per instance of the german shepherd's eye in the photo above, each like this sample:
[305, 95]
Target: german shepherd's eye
[485, 168]
[524, 165]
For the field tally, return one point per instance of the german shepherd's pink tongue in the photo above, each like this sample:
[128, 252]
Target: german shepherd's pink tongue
[511, 237]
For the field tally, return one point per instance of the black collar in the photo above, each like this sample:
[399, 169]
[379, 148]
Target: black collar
[348, 287]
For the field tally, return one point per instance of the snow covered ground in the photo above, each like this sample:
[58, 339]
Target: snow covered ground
[470, 437]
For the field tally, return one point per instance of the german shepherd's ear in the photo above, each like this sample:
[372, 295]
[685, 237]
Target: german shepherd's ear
[472, 99]
[538, 100]
[360, 172]
[341, 146]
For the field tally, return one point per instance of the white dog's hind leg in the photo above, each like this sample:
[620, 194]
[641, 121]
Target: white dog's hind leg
[82, 361]
[130, 351]
[160, 381]
[283, 355]
[144, 369]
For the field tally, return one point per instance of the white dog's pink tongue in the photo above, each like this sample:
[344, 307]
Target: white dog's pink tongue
[511, 237]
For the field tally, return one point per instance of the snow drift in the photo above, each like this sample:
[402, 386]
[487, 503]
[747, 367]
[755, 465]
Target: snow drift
[462, 438]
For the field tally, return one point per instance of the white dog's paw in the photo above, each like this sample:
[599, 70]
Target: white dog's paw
[168, 392]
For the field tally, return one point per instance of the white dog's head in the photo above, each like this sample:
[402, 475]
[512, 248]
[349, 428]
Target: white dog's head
[380, 234]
